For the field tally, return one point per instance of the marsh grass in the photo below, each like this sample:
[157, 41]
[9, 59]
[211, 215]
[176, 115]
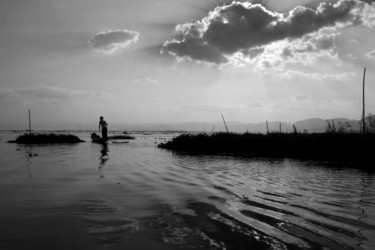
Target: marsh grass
[346, 146]
[46, 138]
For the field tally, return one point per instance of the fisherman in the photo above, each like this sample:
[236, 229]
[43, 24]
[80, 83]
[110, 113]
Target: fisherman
[103, 124]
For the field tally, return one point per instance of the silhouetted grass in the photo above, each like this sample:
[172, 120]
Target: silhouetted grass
[46, 138]
[340, 146]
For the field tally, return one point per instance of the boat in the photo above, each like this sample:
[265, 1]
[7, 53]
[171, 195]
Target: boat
[97, 139]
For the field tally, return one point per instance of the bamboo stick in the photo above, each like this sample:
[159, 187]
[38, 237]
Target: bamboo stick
[225, 123]
[363, 104]
[29, 123]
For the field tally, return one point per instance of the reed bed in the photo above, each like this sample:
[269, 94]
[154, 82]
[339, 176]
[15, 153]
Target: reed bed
[338, 146]
[46, 138]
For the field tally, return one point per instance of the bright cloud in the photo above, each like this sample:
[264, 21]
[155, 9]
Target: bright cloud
[291, 74]
[371, 54]
[237, 30]
[111, 41]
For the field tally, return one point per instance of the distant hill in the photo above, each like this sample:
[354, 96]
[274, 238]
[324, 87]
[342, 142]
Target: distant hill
[320, 125]
[309, 125]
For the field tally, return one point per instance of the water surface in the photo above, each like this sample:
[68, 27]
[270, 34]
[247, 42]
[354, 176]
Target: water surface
[132, 195]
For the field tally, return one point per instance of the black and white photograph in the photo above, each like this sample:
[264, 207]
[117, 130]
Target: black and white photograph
[187, 124]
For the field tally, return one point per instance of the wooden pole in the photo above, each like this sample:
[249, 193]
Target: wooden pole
[225, 123]
[280, 127]
[267, 126]
[363, 104]
[29, 123]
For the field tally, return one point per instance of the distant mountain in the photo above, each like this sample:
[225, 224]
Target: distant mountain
[316, 125]
[319, 125]
[309, 125]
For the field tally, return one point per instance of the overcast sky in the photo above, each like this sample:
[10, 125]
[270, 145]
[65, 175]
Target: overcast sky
[168, 61]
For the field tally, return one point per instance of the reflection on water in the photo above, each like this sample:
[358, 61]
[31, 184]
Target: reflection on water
[28, 165]
[156, 199]
[103, 158]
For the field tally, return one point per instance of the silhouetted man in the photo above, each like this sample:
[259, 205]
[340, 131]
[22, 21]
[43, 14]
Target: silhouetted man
[103, 124]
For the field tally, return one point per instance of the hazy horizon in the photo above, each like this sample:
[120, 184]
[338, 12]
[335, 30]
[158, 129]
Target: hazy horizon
[174, 61]
[312, 124]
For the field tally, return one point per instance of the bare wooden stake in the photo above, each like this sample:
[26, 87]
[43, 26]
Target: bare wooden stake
[225, 123]
[29, 123]
[267, 126]
[295, 129]
[363, 103]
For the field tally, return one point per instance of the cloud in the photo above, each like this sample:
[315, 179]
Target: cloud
[195, 49]
[217, 108]
[290, 74]
[310, 49]
[371, 54]
[48, 93]
[112, 41]
[300, 97]
[307, 49]
[4, 92]
[146, 81]
[242, 26]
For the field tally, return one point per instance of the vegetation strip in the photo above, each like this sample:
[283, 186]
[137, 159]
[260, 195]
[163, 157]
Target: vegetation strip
[345, 146]
[46, 138]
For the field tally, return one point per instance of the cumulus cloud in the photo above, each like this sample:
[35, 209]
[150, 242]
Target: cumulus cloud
[307, 49]
[371, 54]
[48, 93]
[242, 26]
[109, 42]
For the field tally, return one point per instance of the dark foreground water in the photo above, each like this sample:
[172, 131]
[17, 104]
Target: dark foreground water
[136, 196]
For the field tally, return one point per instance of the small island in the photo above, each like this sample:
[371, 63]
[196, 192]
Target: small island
[319, 146]
[30, 138]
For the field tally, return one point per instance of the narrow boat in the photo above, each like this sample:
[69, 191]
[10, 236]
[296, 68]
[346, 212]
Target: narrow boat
[97, 139]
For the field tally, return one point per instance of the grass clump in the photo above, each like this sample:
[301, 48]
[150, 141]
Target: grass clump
[46, 138]
[348, 146]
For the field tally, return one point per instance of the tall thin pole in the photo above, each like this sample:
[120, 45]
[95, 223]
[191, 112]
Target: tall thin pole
[29, 123]
[267, 126]
[363, 102]
[225, 123]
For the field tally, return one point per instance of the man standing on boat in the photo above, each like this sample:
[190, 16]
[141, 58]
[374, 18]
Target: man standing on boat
[103, 124]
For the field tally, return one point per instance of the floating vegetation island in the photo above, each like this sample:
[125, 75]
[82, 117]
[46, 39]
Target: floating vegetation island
[337, 146]
[46, 138]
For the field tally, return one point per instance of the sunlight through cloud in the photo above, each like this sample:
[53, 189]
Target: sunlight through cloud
[112, 41]
[236, 28]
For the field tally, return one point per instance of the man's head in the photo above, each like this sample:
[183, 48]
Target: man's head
[101, 118]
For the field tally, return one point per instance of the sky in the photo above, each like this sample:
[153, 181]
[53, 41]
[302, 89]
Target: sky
[172, 61]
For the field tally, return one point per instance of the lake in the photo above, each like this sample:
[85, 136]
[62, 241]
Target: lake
[133, 195]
